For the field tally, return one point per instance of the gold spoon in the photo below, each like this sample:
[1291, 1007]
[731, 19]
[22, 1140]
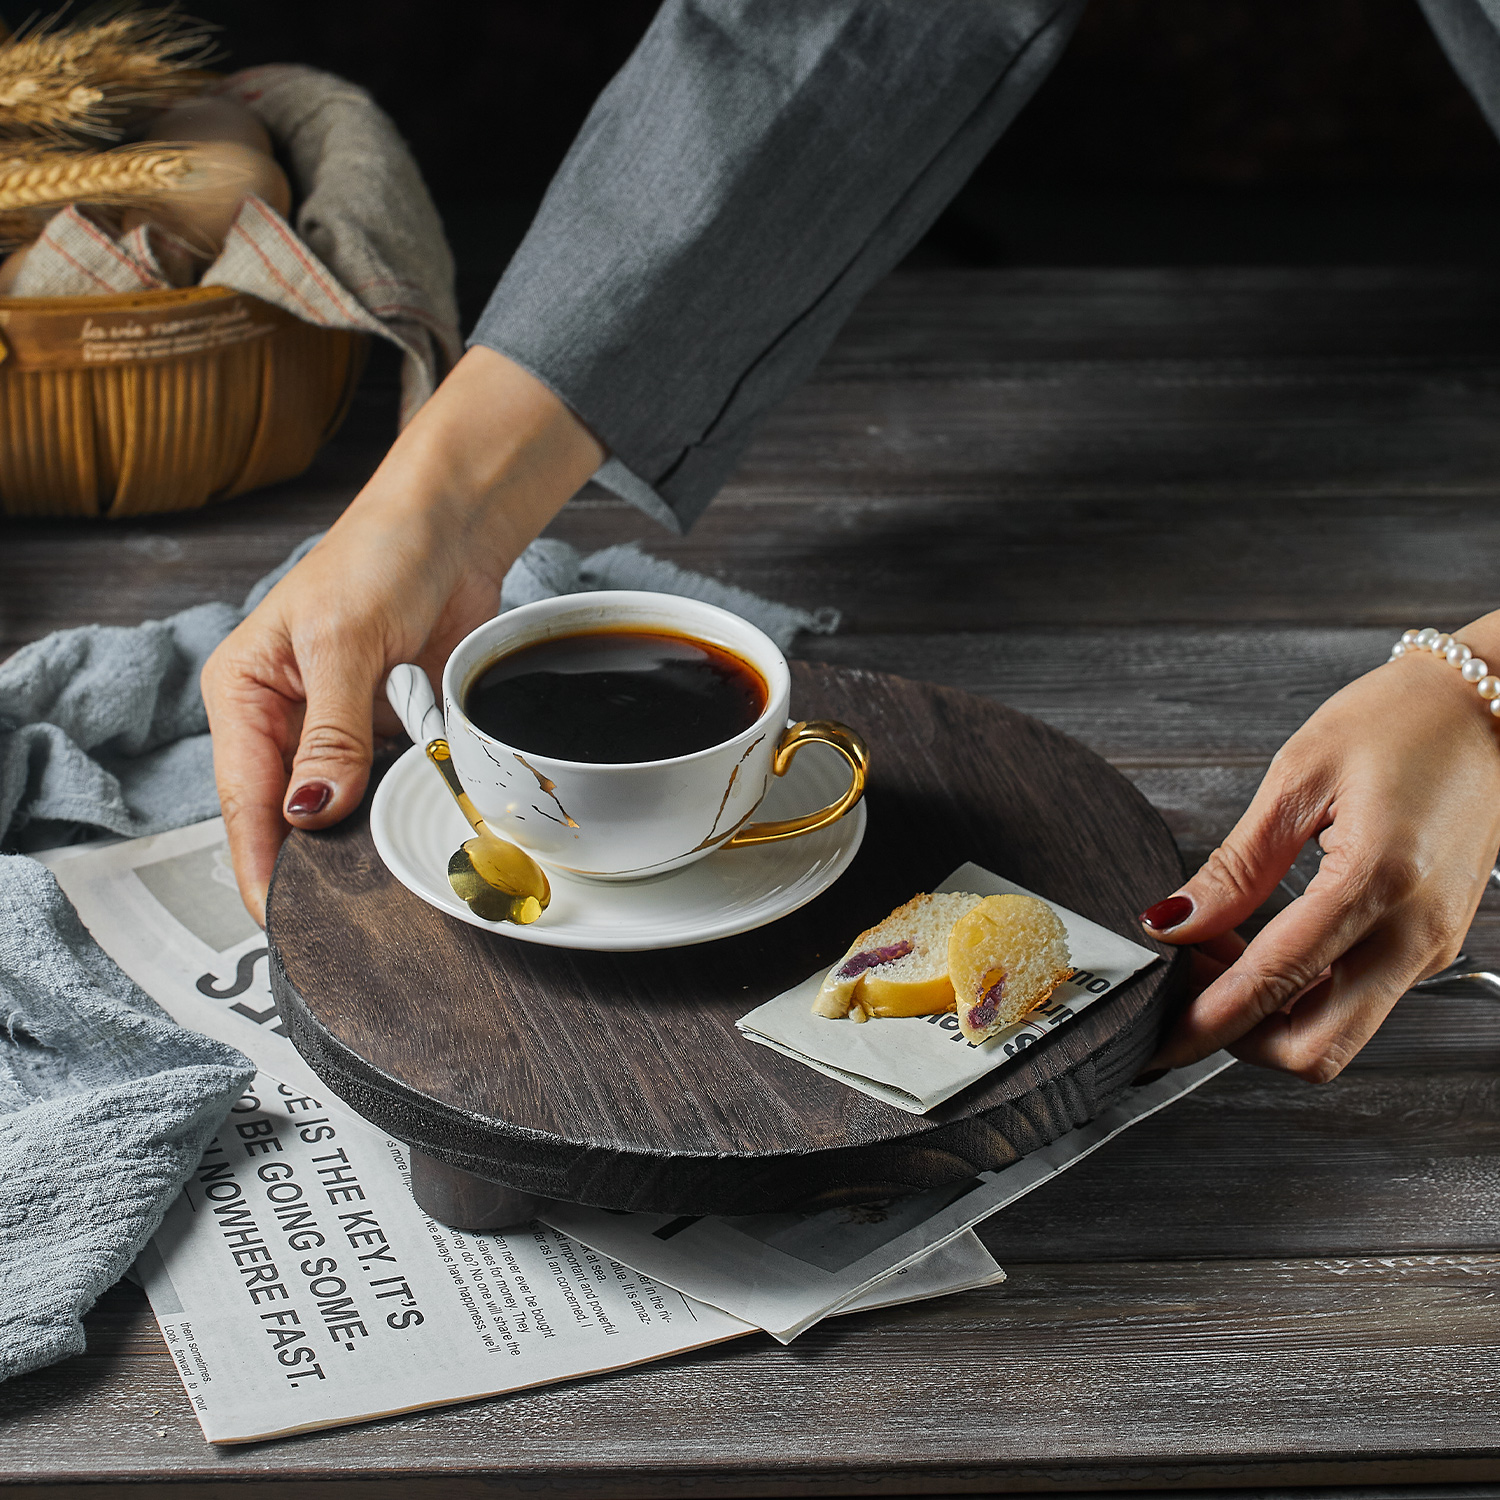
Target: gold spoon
[500, 882]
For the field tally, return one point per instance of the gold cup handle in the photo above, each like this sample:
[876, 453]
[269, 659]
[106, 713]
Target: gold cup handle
[807, 732]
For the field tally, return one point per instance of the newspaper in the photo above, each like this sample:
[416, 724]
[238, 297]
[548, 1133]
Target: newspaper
[579, 1292]
[916, 1062]
[783, 1272]
[299, 1286]
[296, 1281]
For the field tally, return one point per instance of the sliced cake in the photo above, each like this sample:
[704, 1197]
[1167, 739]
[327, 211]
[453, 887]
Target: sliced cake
[1006, 955]
[899, 967]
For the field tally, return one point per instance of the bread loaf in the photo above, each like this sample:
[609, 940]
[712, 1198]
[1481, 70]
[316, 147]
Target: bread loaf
[232, 158]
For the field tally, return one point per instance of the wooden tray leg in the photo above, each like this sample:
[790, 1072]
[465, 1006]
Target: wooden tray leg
[464, 1201]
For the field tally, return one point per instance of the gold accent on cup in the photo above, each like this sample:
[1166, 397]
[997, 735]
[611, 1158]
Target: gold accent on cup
[807, 732]
[500, 882]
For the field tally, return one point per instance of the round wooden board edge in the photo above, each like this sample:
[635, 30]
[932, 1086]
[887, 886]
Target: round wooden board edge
[943, 1154]
[949, 1152]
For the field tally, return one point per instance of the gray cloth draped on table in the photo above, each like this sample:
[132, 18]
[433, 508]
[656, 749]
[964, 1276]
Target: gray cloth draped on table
[752, 171]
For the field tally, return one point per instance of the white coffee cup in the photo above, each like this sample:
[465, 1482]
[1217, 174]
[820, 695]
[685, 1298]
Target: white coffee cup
[630, 820]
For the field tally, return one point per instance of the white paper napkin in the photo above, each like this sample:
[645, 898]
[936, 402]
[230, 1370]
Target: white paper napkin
[916, 1062]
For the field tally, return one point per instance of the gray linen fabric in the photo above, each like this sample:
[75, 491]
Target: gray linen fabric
[104, 727]
[752, 171]
[103, 730]
[105, 1107]
[364, 211]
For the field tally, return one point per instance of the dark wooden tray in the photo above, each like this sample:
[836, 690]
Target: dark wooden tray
[619, 1080]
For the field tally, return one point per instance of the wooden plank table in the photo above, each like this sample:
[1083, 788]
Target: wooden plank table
[1168, 512]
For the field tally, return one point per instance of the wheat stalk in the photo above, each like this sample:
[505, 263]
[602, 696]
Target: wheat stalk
[59, 83]
[34, 182]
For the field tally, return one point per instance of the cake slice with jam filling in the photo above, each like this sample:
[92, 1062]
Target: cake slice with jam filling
[899, 967]
[1006, 955]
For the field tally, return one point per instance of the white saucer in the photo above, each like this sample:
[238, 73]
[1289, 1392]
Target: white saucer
[417, 826]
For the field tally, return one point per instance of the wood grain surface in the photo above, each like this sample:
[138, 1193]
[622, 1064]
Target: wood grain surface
[1269, 1285]
[1211, 363]
[619, 1080]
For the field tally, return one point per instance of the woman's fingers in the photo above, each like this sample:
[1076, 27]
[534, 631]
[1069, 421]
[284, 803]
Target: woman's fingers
[1286, 960]
[1315, 1038]
[253, 730]
[332, 763]
[292, 736]
[1243, 871]
[1224, 949]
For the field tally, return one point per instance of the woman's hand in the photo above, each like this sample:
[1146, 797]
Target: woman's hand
[412, 566]
[1398, 778]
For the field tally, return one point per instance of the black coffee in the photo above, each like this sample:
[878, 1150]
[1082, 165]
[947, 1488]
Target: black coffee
[615, 696]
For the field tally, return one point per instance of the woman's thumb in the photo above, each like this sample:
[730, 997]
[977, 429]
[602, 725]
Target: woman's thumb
[332, 763]
[1237, 877]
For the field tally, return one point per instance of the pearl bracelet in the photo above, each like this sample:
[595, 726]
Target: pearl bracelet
[1458, 655]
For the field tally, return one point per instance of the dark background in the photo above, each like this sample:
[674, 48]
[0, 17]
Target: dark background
[1173, 131]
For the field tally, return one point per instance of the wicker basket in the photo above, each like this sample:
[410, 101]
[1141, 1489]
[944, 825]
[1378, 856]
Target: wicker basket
[160, 401]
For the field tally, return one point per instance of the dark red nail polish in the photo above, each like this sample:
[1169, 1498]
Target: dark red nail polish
[312, 798]
[1166, 915]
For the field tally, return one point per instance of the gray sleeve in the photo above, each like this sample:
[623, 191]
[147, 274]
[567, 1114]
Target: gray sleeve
[1469, 33]
[753, 169]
